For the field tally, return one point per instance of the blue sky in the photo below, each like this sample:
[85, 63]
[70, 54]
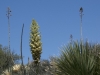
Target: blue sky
[58, 19]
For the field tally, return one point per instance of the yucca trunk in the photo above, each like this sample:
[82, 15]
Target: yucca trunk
[35, 42]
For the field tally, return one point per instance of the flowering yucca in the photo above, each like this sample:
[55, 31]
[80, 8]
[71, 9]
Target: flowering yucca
[35, 42]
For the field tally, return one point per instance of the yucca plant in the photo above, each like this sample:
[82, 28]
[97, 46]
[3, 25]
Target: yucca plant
[35, 44]
[96, 52]
[77, 59]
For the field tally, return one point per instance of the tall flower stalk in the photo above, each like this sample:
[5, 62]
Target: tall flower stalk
[35, 42]
[22, 68]
[35, 45]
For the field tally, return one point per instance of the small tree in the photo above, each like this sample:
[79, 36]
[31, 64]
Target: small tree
[5, 58]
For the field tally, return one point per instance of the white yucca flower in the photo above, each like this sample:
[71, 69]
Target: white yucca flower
[16, 67]
[35, 42]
